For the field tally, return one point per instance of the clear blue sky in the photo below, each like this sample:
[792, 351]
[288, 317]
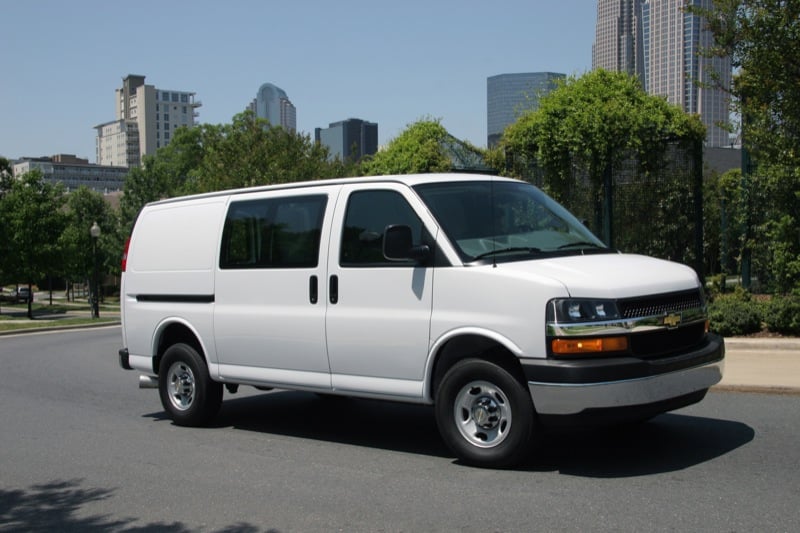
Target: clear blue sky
[390, 62]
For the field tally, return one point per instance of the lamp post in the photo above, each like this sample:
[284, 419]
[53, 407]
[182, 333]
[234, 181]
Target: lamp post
[94, 231]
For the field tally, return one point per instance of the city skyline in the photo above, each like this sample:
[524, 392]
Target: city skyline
[392, 64]
[661, 45]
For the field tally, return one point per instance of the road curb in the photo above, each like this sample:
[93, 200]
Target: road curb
[758, 389]
[48, 329]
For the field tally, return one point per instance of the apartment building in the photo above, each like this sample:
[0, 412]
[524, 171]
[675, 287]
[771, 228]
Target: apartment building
[146, 120]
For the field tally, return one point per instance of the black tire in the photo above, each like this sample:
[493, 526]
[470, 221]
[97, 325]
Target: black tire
[187, 392]
[484, 414]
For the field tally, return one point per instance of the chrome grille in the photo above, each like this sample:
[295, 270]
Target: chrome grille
[661, 304]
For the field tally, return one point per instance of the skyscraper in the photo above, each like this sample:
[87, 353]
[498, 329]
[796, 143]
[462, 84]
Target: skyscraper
[146, 120]
[272, 104]
[661, 43]
[352, 138]
[618, 37]
[508, 96]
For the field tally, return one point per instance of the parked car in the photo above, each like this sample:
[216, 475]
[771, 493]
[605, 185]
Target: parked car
[24, 294]
[8, 296]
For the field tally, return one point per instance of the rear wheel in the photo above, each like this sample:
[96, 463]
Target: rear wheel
[485, 415]
[188, 394]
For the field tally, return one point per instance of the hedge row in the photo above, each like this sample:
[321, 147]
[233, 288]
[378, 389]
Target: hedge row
[740, 314]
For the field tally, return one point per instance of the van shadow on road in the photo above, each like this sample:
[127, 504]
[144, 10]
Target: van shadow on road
[668, 443]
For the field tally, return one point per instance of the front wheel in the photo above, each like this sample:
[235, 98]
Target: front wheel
[485, 415]
[188, 394]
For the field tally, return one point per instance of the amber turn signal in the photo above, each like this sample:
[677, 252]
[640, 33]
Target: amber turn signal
[587, 346]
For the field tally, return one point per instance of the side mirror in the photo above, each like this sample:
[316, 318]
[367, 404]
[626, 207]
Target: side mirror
[398, 245]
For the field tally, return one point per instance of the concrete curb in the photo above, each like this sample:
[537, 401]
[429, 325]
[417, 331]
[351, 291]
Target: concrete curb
[48, 329]
[761, 364]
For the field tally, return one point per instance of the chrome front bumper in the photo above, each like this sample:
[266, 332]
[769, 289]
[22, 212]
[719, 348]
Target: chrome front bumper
[573, 398]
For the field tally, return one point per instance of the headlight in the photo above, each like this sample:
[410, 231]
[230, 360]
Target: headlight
[573, 310]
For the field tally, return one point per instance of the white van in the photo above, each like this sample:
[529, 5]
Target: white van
[477, 294]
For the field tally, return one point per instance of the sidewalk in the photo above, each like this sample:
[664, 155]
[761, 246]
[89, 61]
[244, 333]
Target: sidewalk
[761, 364]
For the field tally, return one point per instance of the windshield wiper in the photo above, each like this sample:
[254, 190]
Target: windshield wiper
[526, 249]
[579, 243]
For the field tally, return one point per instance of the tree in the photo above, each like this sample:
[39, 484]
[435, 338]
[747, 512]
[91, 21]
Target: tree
[6, 175]
[418, 149]
[85, 207]
[244, 153]
[594, 126]
[762, 38]
[250, 152]
[32, 221]
[164, 175]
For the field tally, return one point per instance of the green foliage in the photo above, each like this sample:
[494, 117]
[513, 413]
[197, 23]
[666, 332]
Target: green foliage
[6, 176]
[84, 208]
[244, 153]
[782, 315]
[31, 221]
[762, 38]
[418, 149]
[594, 122]
[735, 314]
[603, 126]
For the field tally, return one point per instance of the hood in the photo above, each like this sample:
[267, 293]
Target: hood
[609, 275]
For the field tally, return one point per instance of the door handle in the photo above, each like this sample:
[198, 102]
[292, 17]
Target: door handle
[333, 289]
[313, 289]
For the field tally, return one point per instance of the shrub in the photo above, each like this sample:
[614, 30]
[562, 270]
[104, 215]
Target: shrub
[735, 314]
[782, 315]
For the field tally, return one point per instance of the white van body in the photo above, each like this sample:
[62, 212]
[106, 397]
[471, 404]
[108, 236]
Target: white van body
[302, 287]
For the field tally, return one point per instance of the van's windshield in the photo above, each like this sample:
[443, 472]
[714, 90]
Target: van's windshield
[506, 221]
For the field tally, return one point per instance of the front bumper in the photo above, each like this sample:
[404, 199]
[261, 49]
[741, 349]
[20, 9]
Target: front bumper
[560, 387]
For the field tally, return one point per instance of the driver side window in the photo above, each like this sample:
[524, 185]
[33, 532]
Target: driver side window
[367, 216]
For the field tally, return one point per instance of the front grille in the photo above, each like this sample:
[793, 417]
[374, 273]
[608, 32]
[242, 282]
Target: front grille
[661, 304]
[654, 344]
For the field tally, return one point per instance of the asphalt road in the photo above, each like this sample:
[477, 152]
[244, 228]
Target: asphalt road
[83, 449]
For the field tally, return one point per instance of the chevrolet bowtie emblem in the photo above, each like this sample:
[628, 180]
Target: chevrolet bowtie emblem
[672, 320]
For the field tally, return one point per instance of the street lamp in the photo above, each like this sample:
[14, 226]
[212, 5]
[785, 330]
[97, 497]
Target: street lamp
[94, 231]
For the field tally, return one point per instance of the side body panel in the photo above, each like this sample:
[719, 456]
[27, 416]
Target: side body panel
[269, 323]
[170, 273]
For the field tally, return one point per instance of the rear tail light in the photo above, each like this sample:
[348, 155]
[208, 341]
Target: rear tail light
[125, 254]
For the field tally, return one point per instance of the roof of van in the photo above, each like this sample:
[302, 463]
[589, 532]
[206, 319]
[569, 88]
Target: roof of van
[407, 179]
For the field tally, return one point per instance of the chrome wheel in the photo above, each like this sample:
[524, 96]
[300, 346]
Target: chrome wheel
[180, 386]
[482, 413]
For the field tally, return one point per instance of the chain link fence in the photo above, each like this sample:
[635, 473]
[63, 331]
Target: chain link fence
[657, 213]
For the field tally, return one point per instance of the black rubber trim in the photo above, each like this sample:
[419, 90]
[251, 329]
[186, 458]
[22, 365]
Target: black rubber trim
[601, 370]
[124, 359]
[176, 298]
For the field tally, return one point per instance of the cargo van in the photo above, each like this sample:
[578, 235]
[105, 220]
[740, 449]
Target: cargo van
[478, 295]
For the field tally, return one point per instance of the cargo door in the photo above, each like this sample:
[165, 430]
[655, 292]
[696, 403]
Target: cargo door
[270, 289]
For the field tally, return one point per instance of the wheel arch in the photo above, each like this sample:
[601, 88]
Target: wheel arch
[173, 331]
[471, 343]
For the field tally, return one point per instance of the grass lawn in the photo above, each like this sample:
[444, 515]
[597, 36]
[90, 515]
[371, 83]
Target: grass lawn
[15, 317]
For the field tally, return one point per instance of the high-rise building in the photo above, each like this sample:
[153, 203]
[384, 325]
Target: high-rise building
[508, 96]
[349, 139]
[618, 37]
[272, 104]
[146, 120]
[661, 43]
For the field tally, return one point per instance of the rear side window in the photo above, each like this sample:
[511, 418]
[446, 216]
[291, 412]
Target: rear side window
[273, 233]
[368, 214]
